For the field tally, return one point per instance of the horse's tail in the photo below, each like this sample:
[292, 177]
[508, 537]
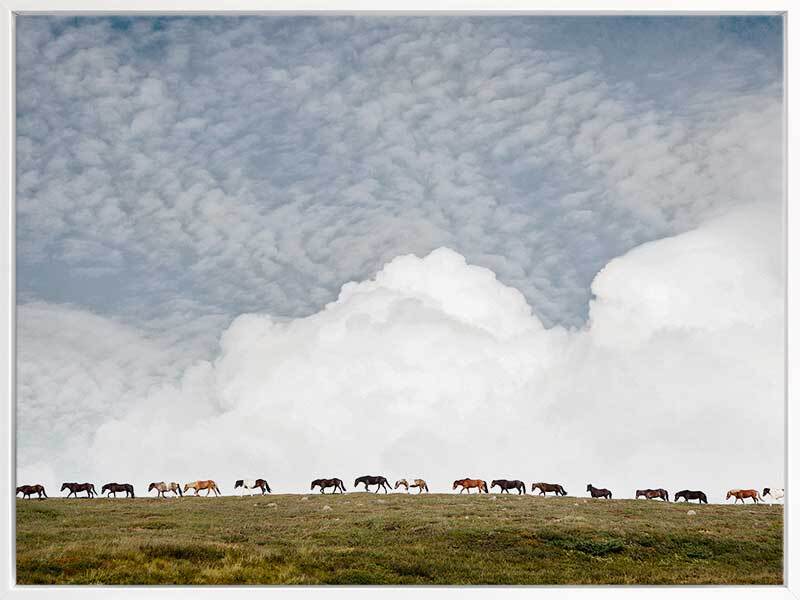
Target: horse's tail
[267, 486]
[485, 488]
[609, 494]
[426, 486]
[43, 492]
[132, 494]
[524, 491]
[180, 492]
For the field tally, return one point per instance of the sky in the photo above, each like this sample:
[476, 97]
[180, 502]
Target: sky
[545, 248]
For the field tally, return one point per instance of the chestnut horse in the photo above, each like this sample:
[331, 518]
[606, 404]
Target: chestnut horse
[548, 487]
[467, 484]
[203, 484]
[505, 485]
[418, 483]
[650, 494]
[691, 495]
[74, 488]
[27, 490]
[598, 492]
[162, 488]
[113, 488]
[742, 494]
[334, 482]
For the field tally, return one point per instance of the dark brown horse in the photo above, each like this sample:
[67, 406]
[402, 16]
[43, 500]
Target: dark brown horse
[598, 492]
[74, 488]
[742, 494]
[113, 488]
[334, 482]
[650, 494]
[467, 484]
[548, 487]
[369, 480]
[691, 495]
[27, 490]
[506, 484]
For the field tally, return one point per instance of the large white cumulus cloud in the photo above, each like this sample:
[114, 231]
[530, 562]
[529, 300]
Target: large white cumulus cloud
[436, 369]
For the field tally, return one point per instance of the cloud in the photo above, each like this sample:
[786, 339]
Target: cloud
[434, 368]
[257, 164]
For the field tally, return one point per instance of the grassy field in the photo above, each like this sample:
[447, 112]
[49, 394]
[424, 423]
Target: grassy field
[396, 539]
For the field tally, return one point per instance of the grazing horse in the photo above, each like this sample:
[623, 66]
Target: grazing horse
[162, 488]
[505, 485]
[27, 490]
[691, 495]
[548, 487]
[369, 480]
[742, 494]
[113, 488]
[650, 494]
[774, 493]
[334, 482]
[467, 484]
[418, 483]
[204, 484]
[598, 492]
[74, 488]
[253, 484]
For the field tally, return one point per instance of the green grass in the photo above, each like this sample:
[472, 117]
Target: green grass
[396, 539]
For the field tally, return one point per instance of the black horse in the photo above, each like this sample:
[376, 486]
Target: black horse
[335, 483]
[74, 488]
[27, 490]
[691, 495]
[506, 484]
[598, 492]
[369, 480]
[113, 488]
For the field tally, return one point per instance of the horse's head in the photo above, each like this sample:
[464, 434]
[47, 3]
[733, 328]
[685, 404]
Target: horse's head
[588, 487]
[64, 486]
[494, 483]
[240, 483]
[19, 489]
[729, 494]
[766, 492]
[186, 487]
[314, 483]
[151, 487]
[456, 482]
[105, 487]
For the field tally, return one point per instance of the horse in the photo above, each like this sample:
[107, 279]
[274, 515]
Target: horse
[548, 487]
[369, 480]
[505, 485]
[113, 488]
[650, 494]
[252, 484]
[467, 484]
[691, 495]
[774, 493]
[418, 483]
[162, 488]
[204, 484]
[742, 494]
[27, 490]
[334, 482]
[74, 488]
[598, 492]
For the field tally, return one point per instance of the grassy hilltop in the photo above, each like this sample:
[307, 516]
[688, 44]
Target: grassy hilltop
[396, 539]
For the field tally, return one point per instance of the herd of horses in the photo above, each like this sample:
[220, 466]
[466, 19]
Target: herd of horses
[505, 485]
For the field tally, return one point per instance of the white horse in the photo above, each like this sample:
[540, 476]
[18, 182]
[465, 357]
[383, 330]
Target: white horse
[774, 493]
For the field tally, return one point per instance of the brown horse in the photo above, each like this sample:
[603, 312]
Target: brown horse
[418, 483]
[162, 488]
[113, 488]
[742, 494]
[369, 480]
[506, 484]
[27, 490]
[549, 487]
[74, 488]
[203, 484]
[467, 484]
[650, 494]
[334, 482]
[598, 492]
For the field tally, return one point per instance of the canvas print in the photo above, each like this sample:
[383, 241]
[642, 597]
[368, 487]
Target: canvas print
[399, 300]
